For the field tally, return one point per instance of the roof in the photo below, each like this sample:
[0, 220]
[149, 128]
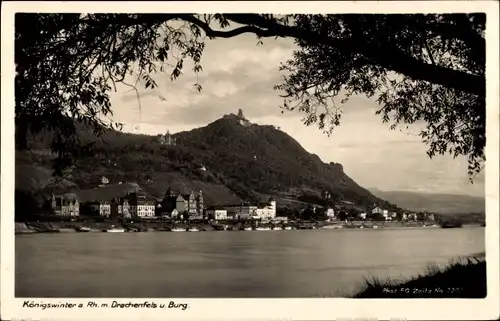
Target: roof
[68, 196]
[108, 192]
[216, 208]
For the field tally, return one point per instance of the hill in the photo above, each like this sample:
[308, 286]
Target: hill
[438, 203]
[229, 161]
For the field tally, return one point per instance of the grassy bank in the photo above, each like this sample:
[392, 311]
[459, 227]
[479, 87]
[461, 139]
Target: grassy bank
[462, 278]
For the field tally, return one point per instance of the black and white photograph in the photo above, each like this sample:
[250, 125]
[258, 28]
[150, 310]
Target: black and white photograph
[159, 156]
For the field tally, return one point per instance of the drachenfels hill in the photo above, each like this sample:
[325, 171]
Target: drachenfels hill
[230, 160]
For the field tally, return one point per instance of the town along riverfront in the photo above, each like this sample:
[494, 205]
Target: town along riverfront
[297, 263]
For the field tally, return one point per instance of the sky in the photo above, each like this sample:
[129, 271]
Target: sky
[239, 74]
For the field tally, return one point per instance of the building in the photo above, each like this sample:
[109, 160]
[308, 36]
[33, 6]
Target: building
[242, 120]
[283, 219]
[141, 205]
[112, 201]
[181, 204]
[103, 208]
[216, 213]
[65, 205]
[167, 139]
[124, 209]
[174, 214]
[267, 211]
[192, 203]
[243, 212]
[195, 205]
[330, 213]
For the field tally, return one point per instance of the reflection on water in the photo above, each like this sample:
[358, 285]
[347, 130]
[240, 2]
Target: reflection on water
[305, 263]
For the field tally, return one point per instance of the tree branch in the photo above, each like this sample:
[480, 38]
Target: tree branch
[226, 34]
[390, 58]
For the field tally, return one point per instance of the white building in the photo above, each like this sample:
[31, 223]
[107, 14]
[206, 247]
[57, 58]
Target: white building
[174, 213]
[65, 205]
[124, 209]
[146, 209]
[330, 212]
[362, 216]
[104, 208]
[216, 213]
[267, 212]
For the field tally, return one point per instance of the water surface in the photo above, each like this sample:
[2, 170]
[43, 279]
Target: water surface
[303, 263]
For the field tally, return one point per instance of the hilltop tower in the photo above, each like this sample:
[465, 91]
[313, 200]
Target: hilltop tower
[167, 139]
[241, 119]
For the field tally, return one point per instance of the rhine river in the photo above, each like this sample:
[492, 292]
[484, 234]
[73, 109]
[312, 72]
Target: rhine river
[244, 264]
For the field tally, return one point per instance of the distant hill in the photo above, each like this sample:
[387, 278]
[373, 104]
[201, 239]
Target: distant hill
[228, 161]
[438, 203]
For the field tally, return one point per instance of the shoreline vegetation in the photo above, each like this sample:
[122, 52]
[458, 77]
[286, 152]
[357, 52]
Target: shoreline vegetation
[464, 277]
[36, 227]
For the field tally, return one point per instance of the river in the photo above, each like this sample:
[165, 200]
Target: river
[301, 263]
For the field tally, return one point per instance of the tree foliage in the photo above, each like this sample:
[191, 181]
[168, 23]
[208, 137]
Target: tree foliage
[420, 68]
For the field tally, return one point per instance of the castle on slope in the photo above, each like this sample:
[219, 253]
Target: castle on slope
[167, 139]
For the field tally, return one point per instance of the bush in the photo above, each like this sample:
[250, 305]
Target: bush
[460, 279]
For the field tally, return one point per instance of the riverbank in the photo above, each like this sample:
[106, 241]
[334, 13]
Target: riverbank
[95, 227]
[145, 226]
[461, 278]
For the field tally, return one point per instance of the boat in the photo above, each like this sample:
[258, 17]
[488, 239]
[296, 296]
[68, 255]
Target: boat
[263, 229]
[433, 225]
[115, 230]
[277, 228]
[332, 227]
[288, 228]
[375, 226]
[193, 229]
[178, 229]
[451, 224]
[248, 228]
[83, 229]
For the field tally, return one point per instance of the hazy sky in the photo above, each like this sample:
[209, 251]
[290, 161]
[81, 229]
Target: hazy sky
[239, 74]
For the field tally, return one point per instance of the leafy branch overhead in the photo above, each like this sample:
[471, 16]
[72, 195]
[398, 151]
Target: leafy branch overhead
[427, 69]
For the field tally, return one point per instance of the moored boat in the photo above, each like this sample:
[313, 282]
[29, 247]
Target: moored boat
[193, 229]
[263, 229]
[277, 228]
[178, 229]
[115, 230]
[451, 224]
[247, 228]
[83, 229]
[332, 227]
[288, 228]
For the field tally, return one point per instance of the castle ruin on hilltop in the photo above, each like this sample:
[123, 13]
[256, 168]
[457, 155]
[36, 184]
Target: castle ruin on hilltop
[167, 139]
[242, 120]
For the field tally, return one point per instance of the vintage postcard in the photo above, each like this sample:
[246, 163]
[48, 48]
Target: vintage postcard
[250, 160]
